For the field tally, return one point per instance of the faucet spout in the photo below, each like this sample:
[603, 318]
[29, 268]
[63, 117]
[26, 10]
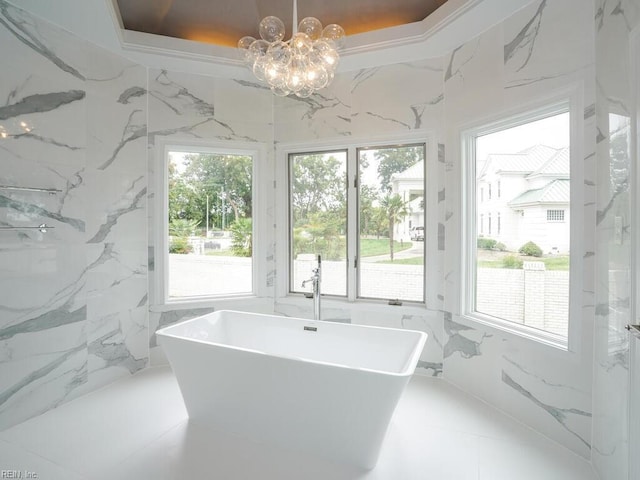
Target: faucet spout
[315, 280]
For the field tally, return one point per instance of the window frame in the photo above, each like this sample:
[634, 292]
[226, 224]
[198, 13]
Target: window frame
[289, 159]
[257, 151]
[351, 145]
[568, 101]
[358, 273]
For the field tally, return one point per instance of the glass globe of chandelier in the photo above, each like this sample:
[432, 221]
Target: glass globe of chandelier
[303, 64]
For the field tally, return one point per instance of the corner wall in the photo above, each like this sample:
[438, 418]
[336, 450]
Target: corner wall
[541, 51]
[73, 300]
[185, 107]
[616, 116]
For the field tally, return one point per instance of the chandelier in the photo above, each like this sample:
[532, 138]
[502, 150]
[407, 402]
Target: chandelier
[303, 64]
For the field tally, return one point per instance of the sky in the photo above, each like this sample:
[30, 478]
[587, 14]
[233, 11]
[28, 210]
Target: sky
[550, 131]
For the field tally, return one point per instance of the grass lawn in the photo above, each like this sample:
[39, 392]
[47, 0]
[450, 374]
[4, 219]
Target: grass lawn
[405, 261]
[371, 247]
[557, 262]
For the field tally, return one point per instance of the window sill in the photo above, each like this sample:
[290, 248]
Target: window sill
[357, 305]
[502, 327]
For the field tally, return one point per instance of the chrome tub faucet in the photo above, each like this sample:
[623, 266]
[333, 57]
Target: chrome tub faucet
[316, 278]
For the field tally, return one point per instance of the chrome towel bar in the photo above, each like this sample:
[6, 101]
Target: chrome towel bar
[42, 227]
[50, 191]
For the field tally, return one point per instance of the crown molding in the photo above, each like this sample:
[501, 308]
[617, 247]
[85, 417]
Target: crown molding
[451, 25]
[454, 23]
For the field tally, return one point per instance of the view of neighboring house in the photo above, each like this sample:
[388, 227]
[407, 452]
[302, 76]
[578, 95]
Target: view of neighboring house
[524, 197]
[409, 184]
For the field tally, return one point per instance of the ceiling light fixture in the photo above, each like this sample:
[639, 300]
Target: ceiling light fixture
[303, 64]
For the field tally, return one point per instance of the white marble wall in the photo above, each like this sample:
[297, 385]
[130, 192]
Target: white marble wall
[184, 107]
[73, 300]
[615, 109]
[540, 51]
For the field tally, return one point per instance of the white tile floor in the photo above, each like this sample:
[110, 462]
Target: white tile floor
[138, 429]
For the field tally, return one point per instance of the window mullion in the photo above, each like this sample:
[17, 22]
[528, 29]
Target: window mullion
[352, 223]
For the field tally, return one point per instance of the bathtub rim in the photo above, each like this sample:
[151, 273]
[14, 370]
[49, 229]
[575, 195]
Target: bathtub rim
[408, 371]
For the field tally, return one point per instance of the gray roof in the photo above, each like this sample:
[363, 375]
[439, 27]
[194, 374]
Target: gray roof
[415, 171]
[524, 162]
[558, 165]
[556, 191]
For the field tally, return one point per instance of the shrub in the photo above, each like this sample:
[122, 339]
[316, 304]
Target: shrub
[486, 243]
[511, 261]
[241, 237]
[180, 245]
[182, 227]
[531, 249]
[500, 246]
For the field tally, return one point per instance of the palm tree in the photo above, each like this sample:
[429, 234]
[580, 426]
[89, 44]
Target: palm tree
[396, 209]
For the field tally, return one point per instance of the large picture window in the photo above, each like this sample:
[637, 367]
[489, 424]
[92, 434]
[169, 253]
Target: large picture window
[209, 227]
[519, 272]
[370, 230]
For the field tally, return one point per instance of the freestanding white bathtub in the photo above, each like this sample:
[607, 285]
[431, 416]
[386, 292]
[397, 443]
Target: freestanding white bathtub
[319, 387]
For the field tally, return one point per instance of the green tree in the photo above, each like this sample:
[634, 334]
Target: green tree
[321, 235]
[366, 200]
[317, 185]
[379, 223]
[226, 180]
[396, 160]
[395, 209]
[182, 198]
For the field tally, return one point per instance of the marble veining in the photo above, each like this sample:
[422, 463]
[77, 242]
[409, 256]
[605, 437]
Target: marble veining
[111, 348]
[525, 39]
[56, 317]
[135, 128]
[559, 414]
[458, 343]
[456, 65]
[539, 378]
[190, 108]
[43, 372]
[131, 93]
[19, 25]
[113, 217]
[40, 103]
[36, 211]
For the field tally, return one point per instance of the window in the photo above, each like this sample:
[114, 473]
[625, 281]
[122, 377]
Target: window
[555, 215]
[522, 283]
[489, 197]
[318, 186]
[370, 230]
[391, 194]
[208, 232]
